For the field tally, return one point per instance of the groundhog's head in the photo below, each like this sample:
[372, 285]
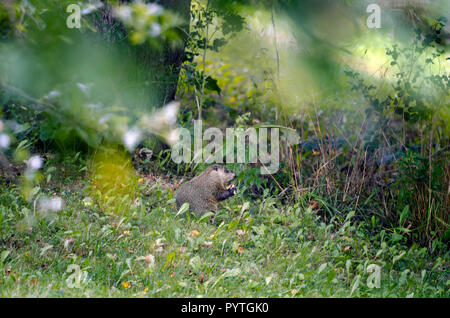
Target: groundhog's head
[222, 174]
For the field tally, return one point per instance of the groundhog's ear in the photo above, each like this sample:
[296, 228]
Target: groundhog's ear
[216, 168]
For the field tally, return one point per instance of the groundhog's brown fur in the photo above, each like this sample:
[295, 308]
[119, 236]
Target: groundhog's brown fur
[207, 189]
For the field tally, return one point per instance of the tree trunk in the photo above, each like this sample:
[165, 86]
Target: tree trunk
[161, 67]
[174, 57]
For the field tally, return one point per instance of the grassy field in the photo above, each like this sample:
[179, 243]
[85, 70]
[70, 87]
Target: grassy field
[250, 249]
[106, 110]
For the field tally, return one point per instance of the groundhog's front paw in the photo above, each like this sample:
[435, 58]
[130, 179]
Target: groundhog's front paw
[232, 189]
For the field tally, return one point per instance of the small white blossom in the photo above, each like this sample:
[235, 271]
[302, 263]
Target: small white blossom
[123, 13]
[154, 8]
[173, 136]
[84, 87]
[155, 30]
[4, 141]
[34, 163]
[52, 94]
[162, 120]
[131, 138]
[91, 8]
[170, 112]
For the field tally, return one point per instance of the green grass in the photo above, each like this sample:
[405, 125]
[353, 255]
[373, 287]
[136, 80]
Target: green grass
[251, 249]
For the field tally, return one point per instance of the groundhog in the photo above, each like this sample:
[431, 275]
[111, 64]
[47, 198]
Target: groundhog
[207, 189]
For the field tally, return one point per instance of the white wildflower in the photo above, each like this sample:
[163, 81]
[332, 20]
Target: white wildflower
[84, 87]
[123, 13]
[52, 94]
[173, 136]
[170, 112]
[91, 8]
[4, 141]
[154, 8]
[155, 30]
[34, 163]
[132, 138]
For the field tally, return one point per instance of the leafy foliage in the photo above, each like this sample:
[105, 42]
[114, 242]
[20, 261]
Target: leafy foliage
[358, 208]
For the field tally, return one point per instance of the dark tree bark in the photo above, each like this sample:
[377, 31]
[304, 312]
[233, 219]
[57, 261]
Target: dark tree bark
[174, 56]
[161, 66]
